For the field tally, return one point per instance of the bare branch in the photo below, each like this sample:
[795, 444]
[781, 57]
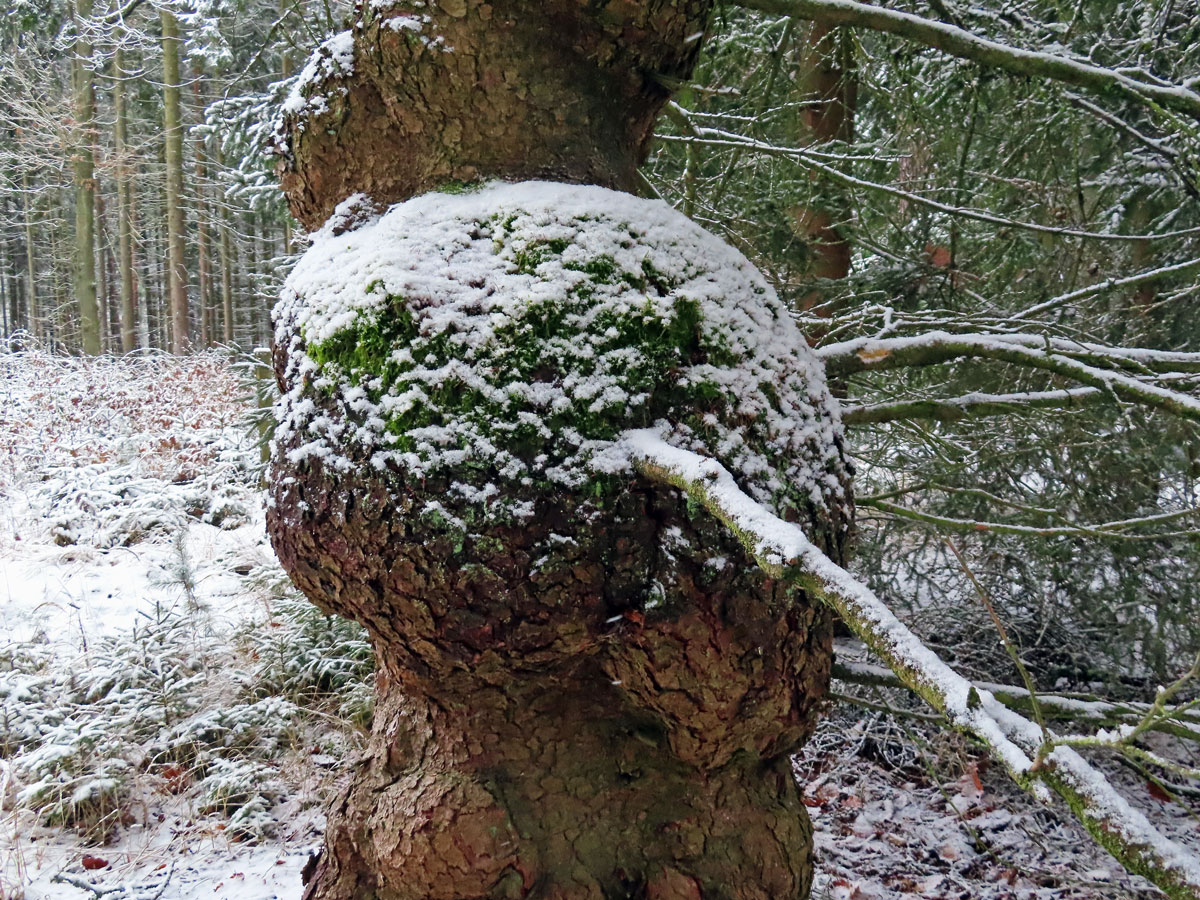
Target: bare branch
[715, 138]
[1056, 707]
[967, 526]
[1183, 268]
[869, 355]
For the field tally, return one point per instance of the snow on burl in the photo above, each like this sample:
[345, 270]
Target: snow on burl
[506, 337]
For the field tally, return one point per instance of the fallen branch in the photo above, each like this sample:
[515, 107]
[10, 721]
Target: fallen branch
[955, 409]
[976, 526]
[785, 553]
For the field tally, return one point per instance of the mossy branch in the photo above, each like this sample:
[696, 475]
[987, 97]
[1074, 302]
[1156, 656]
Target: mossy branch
[785, 553]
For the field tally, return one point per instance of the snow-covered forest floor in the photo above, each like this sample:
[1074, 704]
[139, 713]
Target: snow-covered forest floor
[173, 715]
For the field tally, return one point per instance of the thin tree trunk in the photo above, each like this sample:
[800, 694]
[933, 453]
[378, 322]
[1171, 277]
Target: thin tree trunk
[103, 300]
[828, 87]
[173, 128]
[204, 287]
[31, 294]
[84, 257]
[227, 263]
[8, 308]
[121, 172]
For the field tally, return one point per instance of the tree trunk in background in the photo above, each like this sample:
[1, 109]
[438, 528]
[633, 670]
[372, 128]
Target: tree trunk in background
[121, 173]
[204, 261]
[828, 87]
[173, 129]
[31, 295]
[226, 277]
[103, 298]
[528, 740]
[84, 265]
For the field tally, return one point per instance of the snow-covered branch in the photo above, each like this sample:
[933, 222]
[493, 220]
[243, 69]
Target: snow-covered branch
[975, 526]
[1064, 358]
[1180, 722]
[965, 45]
[955, 409]
[1148, 277]
[785, 553]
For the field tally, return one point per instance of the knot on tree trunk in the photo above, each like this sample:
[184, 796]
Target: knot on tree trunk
[418, 94]
[587, 688]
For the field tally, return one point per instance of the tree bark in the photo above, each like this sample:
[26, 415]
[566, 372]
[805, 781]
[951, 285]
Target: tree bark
[464, 89]
[539, 730]
[536, 735]
[173, 130]
[84, 259]
[203, 242]
[827, 83]
[124, 207]
[31, 294]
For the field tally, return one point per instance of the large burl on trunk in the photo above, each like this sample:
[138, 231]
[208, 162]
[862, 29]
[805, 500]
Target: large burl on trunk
[586, 688]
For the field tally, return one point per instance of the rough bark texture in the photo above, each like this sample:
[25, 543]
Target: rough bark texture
[565, 708]
[558, 90]
[539, 731]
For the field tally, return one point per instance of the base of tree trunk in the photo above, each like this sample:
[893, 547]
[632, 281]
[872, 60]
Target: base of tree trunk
[558, 790]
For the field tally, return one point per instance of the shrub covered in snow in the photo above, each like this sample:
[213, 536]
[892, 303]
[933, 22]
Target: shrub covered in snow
[171, 706]
[505, 338]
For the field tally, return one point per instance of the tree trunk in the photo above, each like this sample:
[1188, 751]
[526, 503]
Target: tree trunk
[519, 90]
[829, 88]
[173, 129]
[203, 243]
[534, 737]
[124, 207]
[84, 268]
[103, 293]
[226, 277]
[31, 296]
[538, 731]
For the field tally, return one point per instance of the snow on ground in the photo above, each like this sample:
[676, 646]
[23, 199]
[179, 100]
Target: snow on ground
[129, 494]
[178, 703]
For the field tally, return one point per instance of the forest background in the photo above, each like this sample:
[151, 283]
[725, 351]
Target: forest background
[993, 245]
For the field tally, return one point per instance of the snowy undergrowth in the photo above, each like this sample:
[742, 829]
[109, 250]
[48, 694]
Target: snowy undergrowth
[162, 688]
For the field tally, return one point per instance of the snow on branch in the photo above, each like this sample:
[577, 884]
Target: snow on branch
[1147, 277]
[965, 45]
[1065, 358]
[785, 553]
[1180, 722]
[975, 526]
[955, 409]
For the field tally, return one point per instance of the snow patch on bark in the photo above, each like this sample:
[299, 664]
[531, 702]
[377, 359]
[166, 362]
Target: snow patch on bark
[334, 58]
